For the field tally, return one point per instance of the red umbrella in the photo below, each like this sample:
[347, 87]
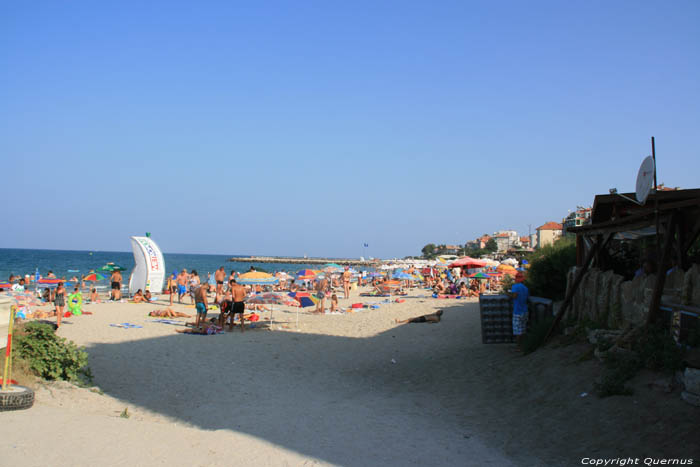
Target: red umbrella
[467, 262]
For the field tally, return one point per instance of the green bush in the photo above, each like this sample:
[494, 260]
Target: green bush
[549, 265]
[49, 356]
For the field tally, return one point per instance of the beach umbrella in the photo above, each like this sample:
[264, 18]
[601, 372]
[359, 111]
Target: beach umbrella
[49, 283]
[303, 299]
[5, 285]
[332, 267]
[479, 275]
[376, 274]
[272, 298]
[306, 274]
[94, 277]
[256, 278]
[467, 262]
[402, 276]
[111, 267]
[506, 269]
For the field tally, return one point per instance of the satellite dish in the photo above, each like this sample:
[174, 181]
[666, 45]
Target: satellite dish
[645, 178]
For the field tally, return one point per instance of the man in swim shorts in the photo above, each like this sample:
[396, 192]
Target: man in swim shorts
[238, 295]
[219, 277]
[520, 293]
[200, 300]
[116, 285]
[181, 285]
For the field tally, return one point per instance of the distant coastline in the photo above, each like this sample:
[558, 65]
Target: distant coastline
[278, 259]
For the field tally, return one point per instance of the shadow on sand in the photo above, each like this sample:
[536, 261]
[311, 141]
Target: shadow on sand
[397, 396]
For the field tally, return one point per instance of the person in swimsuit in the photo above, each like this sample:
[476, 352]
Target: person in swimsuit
[346, 282]
[116, 285]
[431, 318]
[238, 295]
[60, 302]
[138, 296]
[321, 294]
[194, 285]
[219, 277]
[200, 298]
[181, 285]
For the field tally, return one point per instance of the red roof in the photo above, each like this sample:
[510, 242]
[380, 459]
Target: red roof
[501, 235]
[550, 226]
[524, 239]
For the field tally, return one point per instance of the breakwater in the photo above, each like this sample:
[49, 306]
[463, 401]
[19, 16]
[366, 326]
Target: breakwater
[276, 259]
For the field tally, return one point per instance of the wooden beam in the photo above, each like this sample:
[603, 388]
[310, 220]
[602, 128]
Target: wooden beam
[691, 238]
[577, 281]
[661, 270]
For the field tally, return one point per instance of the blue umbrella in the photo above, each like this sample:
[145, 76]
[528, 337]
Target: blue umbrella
[403, 276]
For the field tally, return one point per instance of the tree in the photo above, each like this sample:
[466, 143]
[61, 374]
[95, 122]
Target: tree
[491, 246]
[428, 250]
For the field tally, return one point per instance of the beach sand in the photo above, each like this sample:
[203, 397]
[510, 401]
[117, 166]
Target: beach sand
[354, 389]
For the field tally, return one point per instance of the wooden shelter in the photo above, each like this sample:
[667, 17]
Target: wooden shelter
[671, 217]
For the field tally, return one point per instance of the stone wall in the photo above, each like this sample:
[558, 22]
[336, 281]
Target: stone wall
[604, 297]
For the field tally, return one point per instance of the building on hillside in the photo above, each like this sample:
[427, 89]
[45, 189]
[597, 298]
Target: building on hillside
[506, 239]
[548, 233]
[581, 216]
[483, 240]
[453, 250]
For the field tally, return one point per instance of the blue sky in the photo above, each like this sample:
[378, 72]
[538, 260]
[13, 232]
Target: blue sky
[313, 127]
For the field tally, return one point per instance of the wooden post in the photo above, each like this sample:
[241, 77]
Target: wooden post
[577, 281]
[661, 270]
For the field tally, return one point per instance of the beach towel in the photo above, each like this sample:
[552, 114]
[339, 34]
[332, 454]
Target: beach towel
[168, 321]
[125, 325]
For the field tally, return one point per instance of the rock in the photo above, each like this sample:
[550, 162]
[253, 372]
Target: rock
[691, 380]
[690, 398]
[602, 336]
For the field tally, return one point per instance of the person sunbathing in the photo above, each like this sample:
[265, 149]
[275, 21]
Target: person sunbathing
[206, 329]
[463, 290]
[147, 296]
[168, 313]
[431, 318]
[334, 303]
[440, 288]
[138, 297]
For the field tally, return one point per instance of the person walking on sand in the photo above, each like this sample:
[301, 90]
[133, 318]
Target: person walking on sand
[346, 282]
[201, 305]
[238, 307]
[219, 277]
[116, 279]
[520, 294]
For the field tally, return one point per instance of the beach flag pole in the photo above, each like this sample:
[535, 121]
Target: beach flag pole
[7, 373]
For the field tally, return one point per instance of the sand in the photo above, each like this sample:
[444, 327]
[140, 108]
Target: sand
[354, 389]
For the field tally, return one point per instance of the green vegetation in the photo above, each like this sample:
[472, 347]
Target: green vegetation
[548, 268]
[49, 356]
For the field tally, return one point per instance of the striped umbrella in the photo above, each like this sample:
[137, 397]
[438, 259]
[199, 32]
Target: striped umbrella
[272, 298]
[94, 277]
[306, 274]
[49, 283]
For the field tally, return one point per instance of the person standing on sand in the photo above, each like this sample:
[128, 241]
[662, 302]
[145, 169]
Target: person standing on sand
[201, 305]
[116, 279]
[520, 294]
[346, 282]
[181, 285]
[238, 295]
[60, 303]
[321, 294]
[219, 277]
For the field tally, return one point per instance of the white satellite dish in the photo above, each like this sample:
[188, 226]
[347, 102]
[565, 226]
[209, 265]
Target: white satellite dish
[645, 179]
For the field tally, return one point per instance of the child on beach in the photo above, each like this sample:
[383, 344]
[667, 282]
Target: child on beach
[520, 294]
[334, 303]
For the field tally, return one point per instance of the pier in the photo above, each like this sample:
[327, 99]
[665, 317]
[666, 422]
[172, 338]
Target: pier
[277, 259]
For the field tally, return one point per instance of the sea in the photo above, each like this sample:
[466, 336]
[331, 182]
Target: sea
[68, 263]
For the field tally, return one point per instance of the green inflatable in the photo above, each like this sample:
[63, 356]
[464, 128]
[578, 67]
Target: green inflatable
[75, 303]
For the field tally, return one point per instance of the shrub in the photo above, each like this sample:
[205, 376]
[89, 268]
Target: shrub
[549, 265]
[49, 356]
[535, 335]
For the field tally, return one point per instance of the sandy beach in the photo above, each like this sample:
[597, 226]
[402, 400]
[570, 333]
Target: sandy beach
[352, 389]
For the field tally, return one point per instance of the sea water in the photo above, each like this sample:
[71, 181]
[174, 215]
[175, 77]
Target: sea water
[66, 263]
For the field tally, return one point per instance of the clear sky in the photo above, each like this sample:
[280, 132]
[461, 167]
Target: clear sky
[298, 128]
